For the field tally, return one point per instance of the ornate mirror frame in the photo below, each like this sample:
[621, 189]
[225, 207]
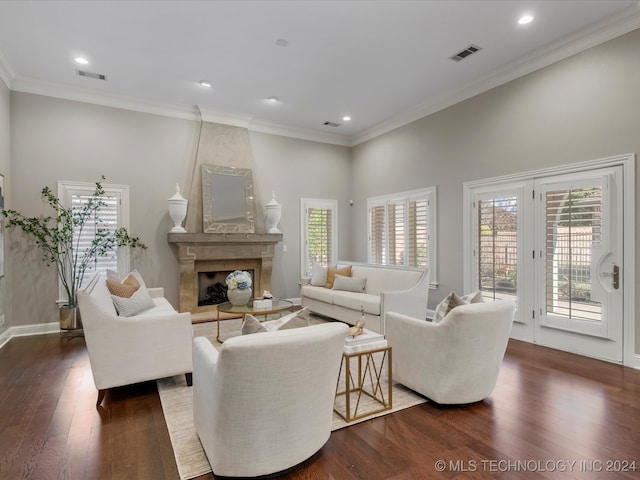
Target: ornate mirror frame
[214, 182]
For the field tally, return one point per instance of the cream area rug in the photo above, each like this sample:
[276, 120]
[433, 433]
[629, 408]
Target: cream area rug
[177, 406]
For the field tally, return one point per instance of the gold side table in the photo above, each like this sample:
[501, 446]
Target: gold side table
[369, 360]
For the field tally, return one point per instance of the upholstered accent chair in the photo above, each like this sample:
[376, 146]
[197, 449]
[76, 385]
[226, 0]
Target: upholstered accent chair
[155, 343]
[454, 361]
[263, 403]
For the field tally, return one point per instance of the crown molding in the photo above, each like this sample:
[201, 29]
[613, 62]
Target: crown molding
[299, 133]
[6, 72]
[85, 95]
[601, 32]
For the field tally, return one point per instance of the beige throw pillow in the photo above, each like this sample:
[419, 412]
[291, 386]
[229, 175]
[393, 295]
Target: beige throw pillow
[126, 288]
[349, 284]
[333, 271]
[452, 301]
[293, 320]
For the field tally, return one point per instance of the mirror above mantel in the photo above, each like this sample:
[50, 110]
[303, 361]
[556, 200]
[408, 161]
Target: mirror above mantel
[227, 199]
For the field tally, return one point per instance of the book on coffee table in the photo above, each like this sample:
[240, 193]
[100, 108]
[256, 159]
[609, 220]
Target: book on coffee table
[367, 336]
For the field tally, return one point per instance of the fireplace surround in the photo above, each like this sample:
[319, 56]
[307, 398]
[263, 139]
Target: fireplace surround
[221, 252]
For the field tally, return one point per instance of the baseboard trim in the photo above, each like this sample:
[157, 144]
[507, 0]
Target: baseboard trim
[28, 330]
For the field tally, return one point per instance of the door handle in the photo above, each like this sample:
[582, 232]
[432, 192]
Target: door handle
[616, 277]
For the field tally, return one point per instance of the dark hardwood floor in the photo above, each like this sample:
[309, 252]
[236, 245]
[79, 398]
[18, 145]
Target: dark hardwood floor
[552, 415]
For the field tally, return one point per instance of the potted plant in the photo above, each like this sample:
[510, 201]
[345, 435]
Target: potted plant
[54, 235]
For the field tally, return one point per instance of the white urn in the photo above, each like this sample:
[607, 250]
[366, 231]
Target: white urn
[274, 211]
[177, 211]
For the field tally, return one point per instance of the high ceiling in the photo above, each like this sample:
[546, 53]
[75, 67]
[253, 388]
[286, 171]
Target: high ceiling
[381, 62]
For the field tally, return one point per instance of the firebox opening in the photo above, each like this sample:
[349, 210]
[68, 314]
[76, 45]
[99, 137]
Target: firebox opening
[212, 288]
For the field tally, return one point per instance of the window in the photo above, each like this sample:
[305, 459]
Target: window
[319, 233]
[114, 214]
[402, 229]
[497, 258]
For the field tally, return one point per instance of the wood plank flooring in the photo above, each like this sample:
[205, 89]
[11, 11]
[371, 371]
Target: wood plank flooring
[552, 415]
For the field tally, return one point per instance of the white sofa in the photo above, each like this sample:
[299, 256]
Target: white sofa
[154, 344]
[388, 288]
[264, 402]
[456, 360]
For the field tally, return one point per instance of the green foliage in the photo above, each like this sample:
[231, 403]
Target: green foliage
[54, 236]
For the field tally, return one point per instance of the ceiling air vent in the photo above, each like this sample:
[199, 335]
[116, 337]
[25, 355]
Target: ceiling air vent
[471, 49]
[97, 76]
[332, 124]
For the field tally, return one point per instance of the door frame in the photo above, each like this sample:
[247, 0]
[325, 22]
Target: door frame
[627, 161]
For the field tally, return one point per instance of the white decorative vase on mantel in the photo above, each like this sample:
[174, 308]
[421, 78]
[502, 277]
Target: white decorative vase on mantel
[274, 211]
[177, 211]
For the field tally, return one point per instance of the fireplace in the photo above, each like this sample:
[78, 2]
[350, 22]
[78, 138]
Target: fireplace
[212, 288]
[203, 255]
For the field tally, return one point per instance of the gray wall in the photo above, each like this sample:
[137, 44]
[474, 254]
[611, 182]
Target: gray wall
[5, 169]
[583, 108]
[57, 139]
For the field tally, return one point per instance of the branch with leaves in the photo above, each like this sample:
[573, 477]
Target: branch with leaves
[54, 235]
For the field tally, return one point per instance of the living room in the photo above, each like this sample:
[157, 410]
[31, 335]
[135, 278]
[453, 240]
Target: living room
[577, 109]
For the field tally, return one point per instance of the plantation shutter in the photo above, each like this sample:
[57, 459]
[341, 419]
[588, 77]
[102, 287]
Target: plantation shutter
[106, 218]
[573, 224]
[378, 235]
[396, 232]
[498, 247]
[320, 236]
[418, 231]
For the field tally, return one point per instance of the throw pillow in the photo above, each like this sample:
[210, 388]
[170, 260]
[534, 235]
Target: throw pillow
[126, 288]
[318, 274]
[116, 277]
[138, 303]
[349, 284]
[293, 320]
[452, 301]
[333, 271]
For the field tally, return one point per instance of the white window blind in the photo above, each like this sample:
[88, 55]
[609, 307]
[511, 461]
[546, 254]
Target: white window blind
[114, 213]
[402, 229]
[319, 235]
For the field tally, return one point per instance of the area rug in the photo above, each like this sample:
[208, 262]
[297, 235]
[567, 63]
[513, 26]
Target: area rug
[177, 406]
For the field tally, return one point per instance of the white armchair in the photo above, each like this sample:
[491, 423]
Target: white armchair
[154, 344]
[264, 402]
[457, 360]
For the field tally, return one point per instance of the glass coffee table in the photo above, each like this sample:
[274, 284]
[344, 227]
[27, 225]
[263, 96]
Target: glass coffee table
[277, 306]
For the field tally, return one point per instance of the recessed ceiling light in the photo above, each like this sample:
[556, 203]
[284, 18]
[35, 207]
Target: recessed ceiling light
[205, 83]
[281, 42]
[525, 19]
[273, 99]
[81, 60]
[346, 118]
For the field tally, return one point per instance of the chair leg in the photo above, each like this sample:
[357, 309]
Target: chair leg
[189, 378]
[101, 394]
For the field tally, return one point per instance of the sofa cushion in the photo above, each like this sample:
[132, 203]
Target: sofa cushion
[354, 301]
[318, 274]
[452, 301]
[137, 303]
[293, 320]
[350, 284]
[333, 271]
[318, 293]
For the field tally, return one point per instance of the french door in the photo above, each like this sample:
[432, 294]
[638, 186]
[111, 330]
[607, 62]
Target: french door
[579, 262]
[554, 243]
